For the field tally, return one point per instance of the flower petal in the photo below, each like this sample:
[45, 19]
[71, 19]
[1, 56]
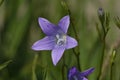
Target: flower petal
[87, 72]
[71, 42]
[57, 53]
[64, 23]
[47, 27]
[46, 43]
[72, 71]
[85, 78]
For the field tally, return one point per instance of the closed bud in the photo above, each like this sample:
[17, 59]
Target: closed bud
[101, 15]
[100, 12]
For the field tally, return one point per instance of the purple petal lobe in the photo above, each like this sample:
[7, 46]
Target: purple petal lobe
[57, 53]
[72, 71]
[85, 78]
[87, 72]
[47, 27]
[46, 43]
[74, 74]
[71, 42]
[64, 23]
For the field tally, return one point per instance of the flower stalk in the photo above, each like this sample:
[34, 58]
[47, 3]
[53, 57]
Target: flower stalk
[34, 67]
[77, 54]
[104, 19]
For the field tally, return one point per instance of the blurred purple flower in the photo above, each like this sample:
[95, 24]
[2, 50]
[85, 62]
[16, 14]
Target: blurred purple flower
[56, 38]
[74, 74]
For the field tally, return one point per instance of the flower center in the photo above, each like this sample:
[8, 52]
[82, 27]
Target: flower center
[60, 39]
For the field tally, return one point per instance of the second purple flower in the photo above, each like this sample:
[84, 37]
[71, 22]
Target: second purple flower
[56, 38]
[75, 74]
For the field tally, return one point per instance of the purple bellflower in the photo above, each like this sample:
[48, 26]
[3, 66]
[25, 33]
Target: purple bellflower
[56, 38]
[74, 74]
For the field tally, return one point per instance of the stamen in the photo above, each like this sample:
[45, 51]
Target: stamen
[61, 39]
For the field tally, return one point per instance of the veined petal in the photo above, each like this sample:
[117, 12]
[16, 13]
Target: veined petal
[64, 23]
[46, 43]
[87, 72]
[71, 42]
[57, 53]
[47, 27]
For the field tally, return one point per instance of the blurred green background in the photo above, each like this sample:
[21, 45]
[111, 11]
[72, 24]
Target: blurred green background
[19, 29]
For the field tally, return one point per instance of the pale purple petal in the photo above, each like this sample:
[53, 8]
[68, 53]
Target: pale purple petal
[47, 27]
[64, 23]
[57, 53]
[46, 43]
[85, 78]
[87, 72]
[71, 42]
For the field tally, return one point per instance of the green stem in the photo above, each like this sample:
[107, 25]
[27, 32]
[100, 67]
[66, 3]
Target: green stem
[78, 59]
[63, 75]
[64, 67]
[34, 67]
[104, 31]
[76, 35]
[113, 56]
[102, 57]
[111, 71]
[76, 53]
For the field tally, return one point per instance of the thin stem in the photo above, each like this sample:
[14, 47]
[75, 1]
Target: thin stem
[63, 75]
[113, 56]
[104, 46]
[111, 71]
[78, 59]
[104, 31]
[98, 30]
[64, 66]
[102, 57]
[103, 52]
[76, 35]
[34, 67]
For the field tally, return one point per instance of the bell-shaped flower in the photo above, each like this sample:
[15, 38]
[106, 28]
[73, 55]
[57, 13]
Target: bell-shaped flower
[56, 38]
